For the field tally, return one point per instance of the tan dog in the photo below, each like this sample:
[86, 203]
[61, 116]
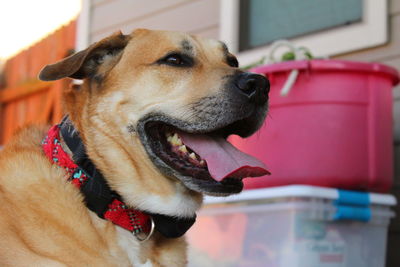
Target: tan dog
[152, 116]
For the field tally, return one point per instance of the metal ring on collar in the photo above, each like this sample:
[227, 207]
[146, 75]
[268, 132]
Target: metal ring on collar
[145, 238]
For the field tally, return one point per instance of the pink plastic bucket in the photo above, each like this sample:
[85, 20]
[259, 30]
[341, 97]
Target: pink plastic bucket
[333, 129]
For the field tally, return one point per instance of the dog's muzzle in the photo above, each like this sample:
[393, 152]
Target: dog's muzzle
[254, 86]
[197, 152]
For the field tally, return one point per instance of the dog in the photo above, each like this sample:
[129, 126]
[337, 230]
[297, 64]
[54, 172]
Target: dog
[119, 180]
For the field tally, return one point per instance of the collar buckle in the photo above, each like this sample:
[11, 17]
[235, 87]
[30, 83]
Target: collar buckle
[142, 236]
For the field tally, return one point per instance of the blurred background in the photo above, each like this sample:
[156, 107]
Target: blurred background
[36, 33]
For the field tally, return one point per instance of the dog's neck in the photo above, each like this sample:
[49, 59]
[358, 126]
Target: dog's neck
[101, 199]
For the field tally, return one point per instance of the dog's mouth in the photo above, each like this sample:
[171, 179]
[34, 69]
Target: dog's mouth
[204, 161]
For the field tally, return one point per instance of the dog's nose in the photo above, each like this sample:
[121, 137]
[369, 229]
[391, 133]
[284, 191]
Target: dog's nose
[254, 86]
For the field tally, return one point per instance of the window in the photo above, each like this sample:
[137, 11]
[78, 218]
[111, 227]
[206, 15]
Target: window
[326, 27]
[262, 22]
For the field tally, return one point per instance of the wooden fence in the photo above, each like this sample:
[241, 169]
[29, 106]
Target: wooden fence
[23, 98]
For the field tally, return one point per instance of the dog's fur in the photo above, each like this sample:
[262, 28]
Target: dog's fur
[128, 80]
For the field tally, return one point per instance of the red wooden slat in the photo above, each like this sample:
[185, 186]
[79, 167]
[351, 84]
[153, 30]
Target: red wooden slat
[25, 99]
[47, 107]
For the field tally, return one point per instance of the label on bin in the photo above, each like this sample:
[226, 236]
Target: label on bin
[312, 253]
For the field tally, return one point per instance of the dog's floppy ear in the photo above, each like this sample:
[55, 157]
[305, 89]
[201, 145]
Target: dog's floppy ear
[85, 63]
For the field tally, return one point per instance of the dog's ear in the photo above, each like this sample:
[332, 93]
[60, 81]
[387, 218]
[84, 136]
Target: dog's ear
[85, 63]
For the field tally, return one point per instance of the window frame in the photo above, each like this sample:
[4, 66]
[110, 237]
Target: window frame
[322, 43]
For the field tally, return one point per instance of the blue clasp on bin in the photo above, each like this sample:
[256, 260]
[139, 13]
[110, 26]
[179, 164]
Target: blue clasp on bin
[352, 205]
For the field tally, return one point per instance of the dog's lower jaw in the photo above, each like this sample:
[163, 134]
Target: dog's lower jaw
[153, 130]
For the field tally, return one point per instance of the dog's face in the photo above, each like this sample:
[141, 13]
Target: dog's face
[153, 92]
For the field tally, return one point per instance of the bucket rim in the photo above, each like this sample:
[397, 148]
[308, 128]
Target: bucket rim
[330, 64]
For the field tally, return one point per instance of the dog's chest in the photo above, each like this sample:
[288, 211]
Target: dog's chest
[128, 242]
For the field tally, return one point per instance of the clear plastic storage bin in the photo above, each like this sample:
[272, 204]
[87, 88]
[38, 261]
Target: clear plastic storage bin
[292, 226]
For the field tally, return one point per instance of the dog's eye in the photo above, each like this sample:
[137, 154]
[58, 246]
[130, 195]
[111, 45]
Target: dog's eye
[232, 61]
[176, 60]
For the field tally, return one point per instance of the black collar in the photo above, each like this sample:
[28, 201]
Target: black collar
[97, 193]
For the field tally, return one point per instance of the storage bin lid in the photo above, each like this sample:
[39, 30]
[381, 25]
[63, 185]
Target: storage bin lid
[330, 65]
[344, 196]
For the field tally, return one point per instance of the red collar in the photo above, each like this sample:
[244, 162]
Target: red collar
[135, 221]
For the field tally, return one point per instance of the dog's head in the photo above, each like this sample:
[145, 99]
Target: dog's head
[164, 102]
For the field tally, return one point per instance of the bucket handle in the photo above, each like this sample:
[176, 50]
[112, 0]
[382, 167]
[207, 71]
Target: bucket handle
[299, 53]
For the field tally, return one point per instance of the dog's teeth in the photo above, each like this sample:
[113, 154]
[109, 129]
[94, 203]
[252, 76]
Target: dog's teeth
[176, 140]
[173, 139]
[193, 156]
[202, 162]
[169, 137]
[183, 149]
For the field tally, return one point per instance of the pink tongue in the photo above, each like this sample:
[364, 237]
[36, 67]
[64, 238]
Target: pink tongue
[223, 159]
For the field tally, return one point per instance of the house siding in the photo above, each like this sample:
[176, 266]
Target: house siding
[194, 16]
